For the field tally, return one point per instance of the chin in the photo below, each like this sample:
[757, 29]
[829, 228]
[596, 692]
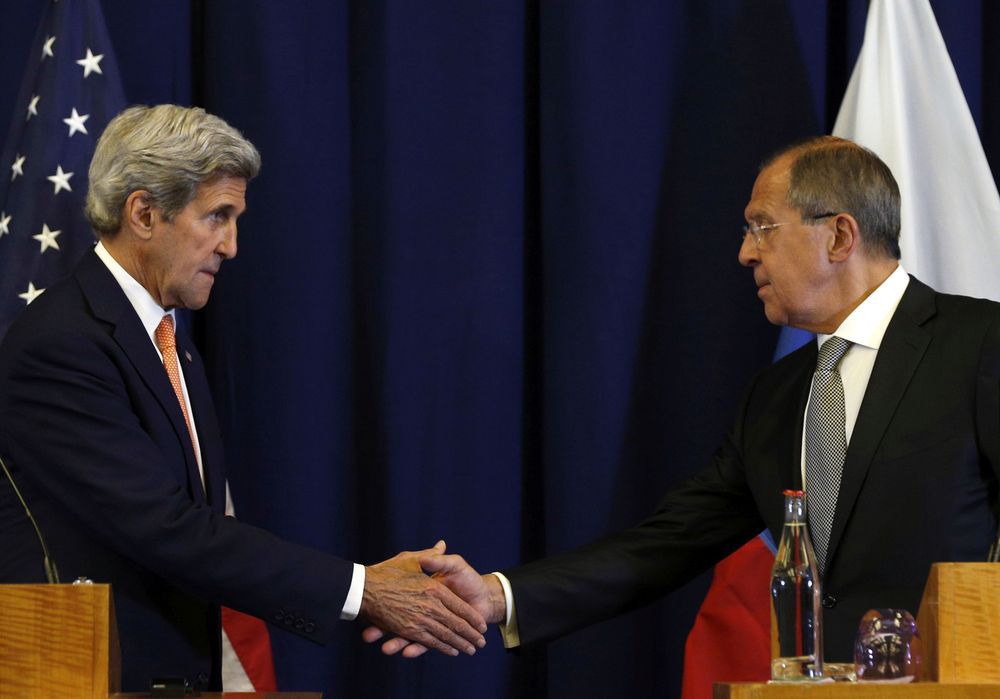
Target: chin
[194, 303]
[775, 316]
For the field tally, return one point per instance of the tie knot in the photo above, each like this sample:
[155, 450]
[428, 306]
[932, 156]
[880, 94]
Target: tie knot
[831, 352]
[165, 333]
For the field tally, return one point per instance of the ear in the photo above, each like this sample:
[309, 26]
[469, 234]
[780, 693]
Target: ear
[846, 238]
[139, 214]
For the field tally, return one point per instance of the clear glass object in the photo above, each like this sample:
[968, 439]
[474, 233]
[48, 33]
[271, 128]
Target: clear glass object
[888, 647]
[796, 612]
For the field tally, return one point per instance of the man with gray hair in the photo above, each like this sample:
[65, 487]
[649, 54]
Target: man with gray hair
[107, 425]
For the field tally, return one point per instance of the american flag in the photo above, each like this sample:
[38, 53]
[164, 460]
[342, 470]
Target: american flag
[71, 89]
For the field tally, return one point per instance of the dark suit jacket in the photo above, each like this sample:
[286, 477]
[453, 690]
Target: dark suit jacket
[919, 483]
[98, 445]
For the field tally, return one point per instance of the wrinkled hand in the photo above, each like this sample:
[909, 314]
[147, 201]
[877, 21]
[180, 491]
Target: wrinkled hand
[483, 592]
[401, 599]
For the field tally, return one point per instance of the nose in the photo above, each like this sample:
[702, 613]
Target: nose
[227, 246]
[749, 254]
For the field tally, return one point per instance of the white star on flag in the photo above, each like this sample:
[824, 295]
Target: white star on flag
[90, 63]
[17, 168]
[60, 180]
[43, 230]
[31, 294]
[75, 122]
[47, 238]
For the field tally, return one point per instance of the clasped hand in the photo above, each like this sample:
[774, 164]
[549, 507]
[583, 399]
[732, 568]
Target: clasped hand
[427, 599]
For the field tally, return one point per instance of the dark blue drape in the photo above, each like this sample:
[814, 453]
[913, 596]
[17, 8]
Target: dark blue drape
[487, 286]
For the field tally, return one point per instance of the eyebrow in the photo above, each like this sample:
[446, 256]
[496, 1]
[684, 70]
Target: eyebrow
[227, 208]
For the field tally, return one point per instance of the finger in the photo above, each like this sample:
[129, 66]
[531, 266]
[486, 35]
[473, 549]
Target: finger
[437, 549]
[441, 637]
[372, 634]
[443, 564]
[414, 650]
[394, 645]
[472, 622]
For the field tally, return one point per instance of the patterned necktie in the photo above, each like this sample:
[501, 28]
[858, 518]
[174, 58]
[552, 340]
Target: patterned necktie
[826, 443]
[167, 344]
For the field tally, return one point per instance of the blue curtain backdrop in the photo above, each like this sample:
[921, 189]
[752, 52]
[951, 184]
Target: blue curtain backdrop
[487, 286]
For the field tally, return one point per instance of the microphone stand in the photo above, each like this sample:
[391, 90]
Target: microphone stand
[51, 573]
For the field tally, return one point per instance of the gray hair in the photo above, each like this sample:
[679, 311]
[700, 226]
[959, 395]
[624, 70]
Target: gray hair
[167, 151]
[831, 174]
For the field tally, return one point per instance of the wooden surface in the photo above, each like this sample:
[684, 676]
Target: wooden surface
[858, 690]
[57, 641]
[959, 623]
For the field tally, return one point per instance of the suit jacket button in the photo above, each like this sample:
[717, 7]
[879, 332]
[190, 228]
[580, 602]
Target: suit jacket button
[829, 601]
[300, 623]
[279, 615]
[310, 627]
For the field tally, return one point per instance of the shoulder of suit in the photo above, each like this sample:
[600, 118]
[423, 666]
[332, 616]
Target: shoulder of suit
[966, 310]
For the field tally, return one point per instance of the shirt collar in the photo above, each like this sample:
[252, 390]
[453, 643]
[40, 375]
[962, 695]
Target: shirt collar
[867, 323]
[148, 310]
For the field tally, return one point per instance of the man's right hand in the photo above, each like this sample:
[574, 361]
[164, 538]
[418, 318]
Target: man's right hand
[483, 592]
[401, 599]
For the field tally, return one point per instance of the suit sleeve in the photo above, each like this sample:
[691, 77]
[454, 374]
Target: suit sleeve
[988, 398]
[695, 525]
[74, 426]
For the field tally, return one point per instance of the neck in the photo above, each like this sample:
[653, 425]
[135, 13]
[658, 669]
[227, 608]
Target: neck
[130, 260]
[852, 287]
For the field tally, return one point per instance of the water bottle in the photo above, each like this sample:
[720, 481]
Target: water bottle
[796, 612]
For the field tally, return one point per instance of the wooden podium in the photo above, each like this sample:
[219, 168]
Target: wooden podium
[959, 624]
[58, 641]
[62, 641]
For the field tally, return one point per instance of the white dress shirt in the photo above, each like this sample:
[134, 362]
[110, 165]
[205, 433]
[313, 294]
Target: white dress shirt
[865, 327]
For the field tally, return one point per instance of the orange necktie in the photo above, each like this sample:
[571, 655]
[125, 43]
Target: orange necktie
[168, 348]
[247, 634]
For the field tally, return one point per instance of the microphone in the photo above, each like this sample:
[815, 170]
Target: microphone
[51, 573]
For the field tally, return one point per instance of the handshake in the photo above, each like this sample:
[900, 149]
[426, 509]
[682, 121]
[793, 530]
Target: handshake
[429, 600]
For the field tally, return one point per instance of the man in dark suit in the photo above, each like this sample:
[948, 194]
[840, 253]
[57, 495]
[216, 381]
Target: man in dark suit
[107, 424]
[920, 421]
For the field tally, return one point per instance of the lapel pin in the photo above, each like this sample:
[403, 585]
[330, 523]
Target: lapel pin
[187, 355]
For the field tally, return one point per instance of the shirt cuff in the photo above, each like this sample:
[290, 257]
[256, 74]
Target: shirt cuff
[352, 605]
[508, 629]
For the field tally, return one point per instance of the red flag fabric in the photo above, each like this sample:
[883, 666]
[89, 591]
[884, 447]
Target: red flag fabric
[252, 644]
[731, 637]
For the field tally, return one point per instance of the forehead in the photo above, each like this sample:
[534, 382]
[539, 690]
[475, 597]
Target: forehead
[224, 190]
[770, 191]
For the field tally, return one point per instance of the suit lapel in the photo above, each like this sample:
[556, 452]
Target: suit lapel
[207, 426]
[902, 349]
[109, 304]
